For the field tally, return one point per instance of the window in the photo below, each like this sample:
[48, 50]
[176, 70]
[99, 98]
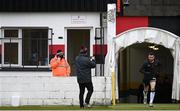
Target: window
[10, 53]
[35, 47]
[10, 47]
[25, 48]
[11, 33]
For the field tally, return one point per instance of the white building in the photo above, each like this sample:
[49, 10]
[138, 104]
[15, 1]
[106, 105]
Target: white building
[30, 33]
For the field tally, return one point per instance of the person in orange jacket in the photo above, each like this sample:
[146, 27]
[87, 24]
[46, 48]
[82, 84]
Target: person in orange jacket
[59, 65]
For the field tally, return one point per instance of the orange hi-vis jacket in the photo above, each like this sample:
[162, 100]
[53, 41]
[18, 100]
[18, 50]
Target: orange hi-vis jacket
[60, 67]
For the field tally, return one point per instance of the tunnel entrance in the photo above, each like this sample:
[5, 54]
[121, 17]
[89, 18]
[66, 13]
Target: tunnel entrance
[130, 79]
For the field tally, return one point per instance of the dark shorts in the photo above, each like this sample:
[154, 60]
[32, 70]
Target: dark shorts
[146, 81]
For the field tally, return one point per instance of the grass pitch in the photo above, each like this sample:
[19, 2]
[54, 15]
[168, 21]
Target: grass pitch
[120, 106]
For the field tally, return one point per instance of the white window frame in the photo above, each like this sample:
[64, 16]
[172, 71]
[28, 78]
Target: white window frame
[13, 40]
[19, 41]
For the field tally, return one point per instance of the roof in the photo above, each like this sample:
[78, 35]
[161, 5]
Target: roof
[54, 5]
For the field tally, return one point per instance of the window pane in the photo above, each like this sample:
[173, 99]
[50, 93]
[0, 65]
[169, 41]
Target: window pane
[10, 53]
[35, 46]
[10, 33]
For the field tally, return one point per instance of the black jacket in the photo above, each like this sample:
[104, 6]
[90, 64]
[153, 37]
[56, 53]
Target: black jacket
[150, 70]
[83, 68]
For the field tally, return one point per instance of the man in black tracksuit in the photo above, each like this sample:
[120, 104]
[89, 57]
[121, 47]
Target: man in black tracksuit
[83, 71]
[150, 69]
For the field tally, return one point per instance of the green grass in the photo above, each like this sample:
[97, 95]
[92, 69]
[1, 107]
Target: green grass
[146, 107]
[117, 107]
[52, 108]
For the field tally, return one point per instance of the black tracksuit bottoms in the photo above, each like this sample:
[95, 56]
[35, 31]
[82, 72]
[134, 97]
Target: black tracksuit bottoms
[82, 87]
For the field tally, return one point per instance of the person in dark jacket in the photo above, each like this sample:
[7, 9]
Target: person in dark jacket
[150, 69]
[83, 71]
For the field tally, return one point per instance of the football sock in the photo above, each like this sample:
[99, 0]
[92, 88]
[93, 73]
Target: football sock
[145, 94]
[152, 94]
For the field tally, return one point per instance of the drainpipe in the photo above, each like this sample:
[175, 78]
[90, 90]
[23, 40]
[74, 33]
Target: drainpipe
[101, 40]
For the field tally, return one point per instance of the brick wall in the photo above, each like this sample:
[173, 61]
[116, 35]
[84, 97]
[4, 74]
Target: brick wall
[40, 88]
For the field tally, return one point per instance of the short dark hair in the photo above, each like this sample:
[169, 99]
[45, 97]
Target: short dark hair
[151, 53]
[58, 51]
[83, 49]
[60, 54]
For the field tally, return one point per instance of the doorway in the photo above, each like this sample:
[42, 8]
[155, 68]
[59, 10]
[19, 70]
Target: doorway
[75, 39]
[130, 79]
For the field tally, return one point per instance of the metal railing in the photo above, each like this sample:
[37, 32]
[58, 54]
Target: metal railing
[99, 44]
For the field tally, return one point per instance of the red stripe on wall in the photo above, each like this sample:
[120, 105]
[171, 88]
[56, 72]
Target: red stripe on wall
[97, 49]
[54, 48]
[126, 23]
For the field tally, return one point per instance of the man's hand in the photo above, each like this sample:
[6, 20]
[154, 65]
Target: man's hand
[92, 58]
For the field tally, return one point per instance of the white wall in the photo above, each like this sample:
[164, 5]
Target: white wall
[35, 88]
[59, 22]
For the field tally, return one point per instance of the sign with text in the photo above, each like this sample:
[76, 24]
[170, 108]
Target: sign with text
[78, 19]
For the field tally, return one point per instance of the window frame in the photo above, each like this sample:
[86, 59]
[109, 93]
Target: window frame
[12, 40]
[11, 36]
[18, 40]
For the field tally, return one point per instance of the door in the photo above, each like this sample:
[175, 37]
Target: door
[75, 39]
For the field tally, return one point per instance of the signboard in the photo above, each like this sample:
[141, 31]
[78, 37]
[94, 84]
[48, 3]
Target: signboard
[78, 19]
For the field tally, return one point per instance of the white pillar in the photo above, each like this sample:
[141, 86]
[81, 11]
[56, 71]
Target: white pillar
[111, 22]
[111, 33]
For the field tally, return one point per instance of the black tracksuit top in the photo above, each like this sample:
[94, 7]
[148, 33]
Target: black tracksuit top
[150, 70]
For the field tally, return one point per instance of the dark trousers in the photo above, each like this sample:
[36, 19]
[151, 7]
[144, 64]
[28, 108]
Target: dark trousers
[82, 87]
